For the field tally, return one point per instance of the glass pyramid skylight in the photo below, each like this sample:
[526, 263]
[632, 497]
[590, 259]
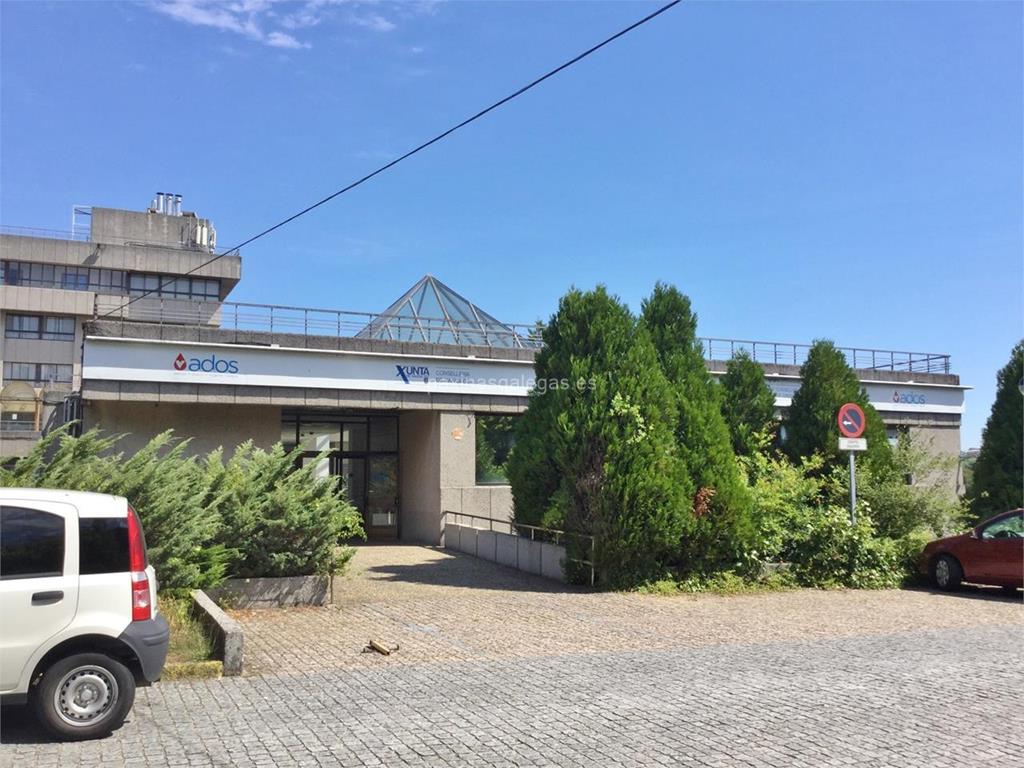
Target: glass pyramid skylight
[432, 312]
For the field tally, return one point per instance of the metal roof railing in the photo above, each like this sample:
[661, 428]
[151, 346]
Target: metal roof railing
[786, 353]
[307, 321]
[50, 234]
[86, 237]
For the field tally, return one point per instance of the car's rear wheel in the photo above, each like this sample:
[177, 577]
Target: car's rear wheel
[947, 573]
[84, 696]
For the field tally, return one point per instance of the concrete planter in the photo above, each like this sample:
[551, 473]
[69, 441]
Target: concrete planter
[272, 592]
[228, 641]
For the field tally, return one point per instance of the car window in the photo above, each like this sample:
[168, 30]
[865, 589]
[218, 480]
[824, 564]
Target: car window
[31, 543]
[103, 545]
[1011, 527]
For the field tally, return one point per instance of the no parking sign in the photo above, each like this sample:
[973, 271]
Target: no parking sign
[852, 422]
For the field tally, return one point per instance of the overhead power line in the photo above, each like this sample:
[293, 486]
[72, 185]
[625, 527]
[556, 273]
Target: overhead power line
[411, 152]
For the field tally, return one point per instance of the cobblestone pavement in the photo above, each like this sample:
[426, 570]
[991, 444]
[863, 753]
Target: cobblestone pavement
[498, 669]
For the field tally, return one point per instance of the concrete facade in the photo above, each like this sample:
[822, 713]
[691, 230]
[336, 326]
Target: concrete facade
[207, 427]
[419, 468]
[57, 279]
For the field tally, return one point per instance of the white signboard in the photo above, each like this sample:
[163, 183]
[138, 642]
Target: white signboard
[191, 363]
[853, 444]
[897, 397]
[116, 359]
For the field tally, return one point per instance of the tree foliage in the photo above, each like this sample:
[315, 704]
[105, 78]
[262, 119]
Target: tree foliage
[748, 404]
[255, 515]
[826, 383]
[998, 482]
[912, 494]
[595, 452]
[721, 504]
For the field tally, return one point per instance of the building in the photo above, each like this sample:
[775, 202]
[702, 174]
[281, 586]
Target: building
[394, 397]
[52, 282]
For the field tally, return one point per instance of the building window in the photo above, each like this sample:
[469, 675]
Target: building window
[895, 434]
[75, 279]
[9, 273]
[141, 284]
[59, 328]
[52, 328]
[495, 436]
[38, 373]
[17, 421]
[108, 281]
[22, 326]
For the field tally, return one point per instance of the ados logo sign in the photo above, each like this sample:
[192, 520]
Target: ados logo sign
[908, 398]
[211, 364]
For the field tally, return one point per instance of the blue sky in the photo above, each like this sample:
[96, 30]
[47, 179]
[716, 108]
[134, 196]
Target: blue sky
[841, 170]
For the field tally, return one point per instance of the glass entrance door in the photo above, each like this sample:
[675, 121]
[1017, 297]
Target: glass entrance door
[363, 455]
[381, 514]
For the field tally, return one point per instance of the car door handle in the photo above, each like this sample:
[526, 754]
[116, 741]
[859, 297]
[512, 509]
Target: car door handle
[47, 598]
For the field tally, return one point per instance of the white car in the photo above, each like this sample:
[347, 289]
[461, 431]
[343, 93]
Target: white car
[79, 627]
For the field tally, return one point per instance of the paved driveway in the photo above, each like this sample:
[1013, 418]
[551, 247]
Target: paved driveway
[498, 669]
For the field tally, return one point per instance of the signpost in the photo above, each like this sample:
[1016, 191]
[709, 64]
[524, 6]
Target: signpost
[852, 422]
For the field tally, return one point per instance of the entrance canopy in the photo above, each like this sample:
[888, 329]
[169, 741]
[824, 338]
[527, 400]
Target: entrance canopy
[432, 312]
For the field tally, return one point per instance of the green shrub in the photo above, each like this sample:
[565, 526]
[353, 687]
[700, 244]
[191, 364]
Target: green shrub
[897, 506]
[722, 530]
[595, 452]
[748, 404]
[831, 552]
[720, 583]
[164, 486]
[787, 498]
[908, 551]
[204, 520]
[282, 521]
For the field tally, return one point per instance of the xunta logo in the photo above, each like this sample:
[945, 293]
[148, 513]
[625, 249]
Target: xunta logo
[211, 364]
[405, 372]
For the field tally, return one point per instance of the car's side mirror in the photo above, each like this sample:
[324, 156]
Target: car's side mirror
[974, 533]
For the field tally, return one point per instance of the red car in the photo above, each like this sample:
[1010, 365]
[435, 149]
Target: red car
[991, 553]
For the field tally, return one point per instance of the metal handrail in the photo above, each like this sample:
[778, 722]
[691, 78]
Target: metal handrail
[514, 527]
[311, 321]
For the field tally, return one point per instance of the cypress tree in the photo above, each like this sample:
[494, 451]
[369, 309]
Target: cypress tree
[827, 382]
[594, 451]
[721, 502]
[748, 403]
[998, 483]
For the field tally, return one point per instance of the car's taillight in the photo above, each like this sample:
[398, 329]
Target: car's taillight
[142, 599]
[136, 543]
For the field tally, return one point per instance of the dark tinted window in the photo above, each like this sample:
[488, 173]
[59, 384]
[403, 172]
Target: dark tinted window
[103, 545]
[31, 543]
